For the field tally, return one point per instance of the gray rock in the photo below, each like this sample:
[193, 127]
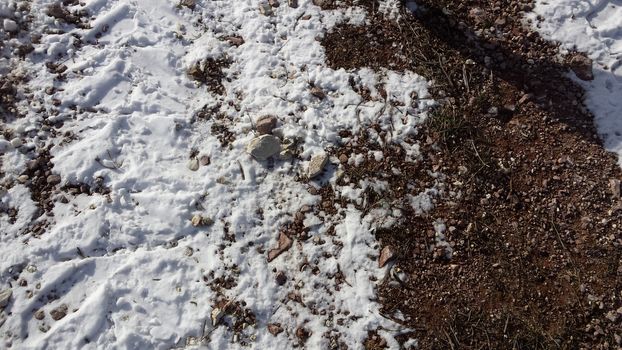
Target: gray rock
[317, 164]
[16, 142]
[265, 9]
[193, 164]
[5, 295]
[10, 25]
[53, 179]
[263, 147]
[266, 124]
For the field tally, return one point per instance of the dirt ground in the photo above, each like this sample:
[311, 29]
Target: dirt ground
[531, 204]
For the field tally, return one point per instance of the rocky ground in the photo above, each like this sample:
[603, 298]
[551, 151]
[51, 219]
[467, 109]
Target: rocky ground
[494, 214]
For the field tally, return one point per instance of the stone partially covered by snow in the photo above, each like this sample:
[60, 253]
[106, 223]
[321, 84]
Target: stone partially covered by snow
[592, 27]
[10, 25]
[264, 147]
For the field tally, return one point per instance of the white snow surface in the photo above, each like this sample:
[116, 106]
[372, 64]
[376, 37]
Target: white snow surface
[593, 27]
[132, 270]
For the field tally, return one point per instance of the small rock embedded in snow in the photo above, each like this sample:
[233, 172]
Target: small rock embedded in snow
[581, 65]
[317, 92]
[199, 220]
[10, 25]
[317, 164]
[53, 179]
[193, 164]
[205, 160]
[16, 142]
[5, 295]
[275, 328]
[292, 3]
[284, 244]
[235, 40]
[274, 3]
[266, 124]
[386, 254]
[23, 178]
[39, 315]
[265, 9]
[191, 4]
[59, 312]
[280, 278]
[263, 147]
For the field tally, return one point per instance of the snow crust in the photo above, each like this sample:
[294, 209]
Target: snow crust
[121, 262]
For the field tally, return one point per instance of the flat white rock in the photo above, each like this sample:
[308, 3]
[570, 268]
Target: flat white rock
[263, 147]
[317, 164]
[10, 25]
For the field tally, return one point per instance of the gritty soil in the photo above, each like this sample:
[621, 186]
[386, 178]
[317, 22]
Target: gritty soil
[529, 202]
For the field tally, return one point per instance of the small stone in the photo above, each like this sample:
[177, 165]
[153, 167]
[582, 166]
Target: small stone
[280, 278]
[292, 3]
[274, 3]
[191, 4]
[23, 178]
[199, 220]
[614, 184]
[266, 124]
[386, 254]
[265, 9]
[5, 295]
[302, 333]
[525, 98]
[205, 160]
[53, 179]
[284, 244]
[16, 142]
[193, 164]
[235, 40]
[39, 315]
[317, 164]
[317, 92]
[10, 25]
[59, 312]
[275, 328]
[343, 158]
[581, 65]
[263, 147]
[188, 251]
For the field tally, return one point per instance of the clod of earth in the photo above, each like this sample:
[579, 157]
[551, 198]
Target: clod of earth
[266, 124]
[581, 65]
[263, 147]
[59, 312]
[386, 254]
[275, 328]
[5, 295]
[193, 164]
[284, 244]
[317, 164]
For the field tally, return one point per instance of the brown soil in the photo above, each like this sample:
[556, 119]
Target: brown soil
[530, 213]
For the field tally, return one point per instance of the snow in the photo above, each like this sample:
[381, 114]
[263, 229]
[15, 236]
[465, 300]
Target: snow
[120, 261]
[593, 27]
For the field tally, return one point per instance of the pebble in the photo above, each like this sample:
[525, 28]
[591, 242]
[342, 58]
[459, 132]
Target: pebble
[16, 142]
[266, 124]
[193, 164]
[263, 147]
[5, 295]
[23, 178]
[275, 328]
[265, 9]
[386, 254]
[317, 164]
[39, 315]
[53, 179]
[281, 278]
[59, 312]
[205, 160]
[10, 25]
[582, 67]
